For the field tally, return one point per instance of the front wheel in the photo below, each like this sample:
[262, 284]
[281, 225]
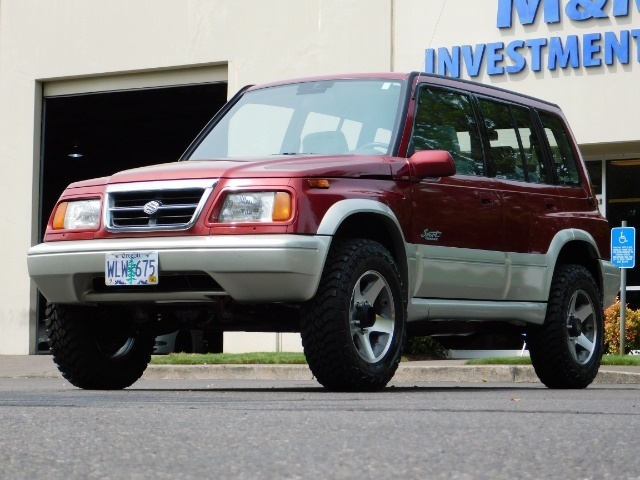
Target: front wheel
[566, 350]
[353, 330]
[98, 349]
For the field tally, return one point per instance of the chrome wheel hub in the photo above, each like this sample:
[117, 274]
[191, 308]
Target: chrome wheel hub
[372, 317]
[582, 332]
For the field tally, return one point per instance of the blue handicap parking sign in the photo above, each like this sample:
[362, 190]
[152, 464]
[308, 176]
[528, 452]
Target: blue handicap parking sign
[623, 247]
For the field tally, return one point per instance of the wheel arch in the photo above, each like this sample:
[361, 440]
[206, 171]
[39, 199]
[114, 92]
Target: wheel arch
[361, 218]
[579, 248]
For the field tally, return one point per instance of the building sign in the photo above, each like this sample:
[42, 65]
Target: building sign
[590, 49]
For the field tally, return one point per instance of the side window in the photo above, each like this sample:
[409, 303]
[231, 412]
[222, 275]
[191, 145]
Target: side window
[564, 161]
[533, 157]
[445, 121]
[503, 140]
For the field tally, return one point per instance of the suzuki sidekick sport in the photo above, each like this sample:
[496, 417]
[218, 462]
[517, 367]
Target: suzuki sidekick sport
[354, 209]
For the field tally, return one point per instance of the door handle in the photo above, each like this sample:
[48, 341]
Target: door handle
[550, 203]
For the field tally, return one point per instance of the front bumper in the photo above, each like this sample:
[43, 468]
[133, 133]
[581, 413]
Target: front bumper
[248, 268]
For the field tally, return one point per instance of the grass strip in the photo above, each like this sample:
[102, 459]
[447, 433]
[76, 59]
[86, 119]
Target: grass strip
[294, 358]
[287, 358]
[624, 360]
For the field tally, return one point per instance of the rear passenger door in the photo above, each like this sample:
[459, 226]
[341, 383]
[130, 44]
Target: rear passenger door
[457, 221]
[531, 204]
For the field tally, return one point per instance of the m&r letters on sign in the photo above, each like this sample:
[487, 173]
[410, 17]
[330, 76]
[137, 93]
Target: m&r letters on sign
[527, 10]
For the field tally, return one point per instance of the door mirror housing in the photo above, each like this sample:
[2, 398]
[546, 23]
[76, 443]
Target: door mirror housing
[432, 163]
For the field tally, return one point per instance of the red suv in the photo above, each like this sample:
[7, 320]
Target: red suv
[353, 209]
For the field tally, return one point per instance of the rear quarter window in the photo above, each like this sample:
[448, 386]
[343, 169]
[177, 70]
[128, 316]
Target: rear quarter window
[564, 160]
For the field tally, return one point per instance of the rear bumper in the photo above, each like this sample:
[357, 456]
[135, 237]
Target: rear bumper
[248, 268]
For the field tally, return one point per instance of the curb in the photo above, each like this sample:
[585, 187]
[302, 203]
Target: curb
[227, 372]
[405, 373]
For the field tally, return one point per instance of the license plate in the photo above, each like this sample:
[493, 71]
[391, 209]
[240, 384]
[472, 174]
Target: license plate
[131, 268]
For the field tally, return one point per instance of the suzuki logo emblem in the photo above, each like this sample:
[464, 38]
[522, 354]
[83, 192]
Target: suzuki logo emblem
[152, 207]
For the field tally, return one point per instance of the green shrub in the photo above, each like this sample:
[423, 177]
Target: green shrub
[425, 346]
[612, 329]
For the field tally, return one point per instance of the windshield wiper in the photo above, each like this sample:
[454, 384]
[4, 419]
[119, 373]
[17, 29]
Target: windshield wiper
[294, 153]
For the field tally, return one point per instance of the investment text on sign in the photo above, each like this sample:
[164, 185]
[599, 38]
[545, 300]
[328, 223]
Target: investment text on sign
[591, 49]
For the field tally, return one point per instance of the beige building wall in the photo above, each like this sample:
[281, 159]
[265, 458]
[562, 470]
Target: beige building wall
[43, 41]
[244, 342]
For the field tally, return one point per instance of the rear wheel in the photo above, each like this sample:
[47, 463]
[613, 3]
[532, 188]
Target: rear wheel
[98, 349]
[353, 330]
[567, 349]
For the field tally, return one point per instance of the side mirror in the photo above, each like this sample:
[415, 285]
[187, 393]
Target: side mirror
[432, 163]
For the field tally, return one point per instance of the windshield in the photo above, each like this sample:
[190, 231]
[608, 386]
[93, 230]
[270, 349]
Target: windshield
[316, 118]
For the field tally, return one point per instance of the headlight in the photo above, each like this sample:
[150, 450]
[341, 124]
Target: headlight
[78, 215]
[256, 207]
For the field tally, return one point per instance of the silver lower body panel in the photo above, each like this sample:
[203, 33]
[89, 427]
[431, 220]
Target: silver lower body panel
[478, 310]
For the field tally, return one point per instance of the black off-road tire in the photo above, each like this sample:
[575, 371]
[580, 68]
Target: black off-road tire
[98, 349]
[342, 355]
[566, 350]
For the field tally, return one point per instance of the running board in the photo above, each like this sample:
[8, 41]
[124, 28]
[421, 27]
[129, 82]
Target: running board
[437, 309]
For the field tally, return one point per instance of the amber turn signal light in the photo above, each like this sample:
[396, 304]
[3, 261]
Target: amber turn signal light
[318, 183]
[281, 207]
[58, 218]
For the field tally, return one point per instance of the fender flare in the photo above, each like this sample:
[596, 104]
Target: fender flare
[339, 211]
[343, 209]
[561, 239]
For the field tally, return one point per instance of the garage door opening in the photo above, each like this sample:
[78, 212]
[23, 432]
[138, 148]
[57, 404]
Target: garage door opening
[97, 134]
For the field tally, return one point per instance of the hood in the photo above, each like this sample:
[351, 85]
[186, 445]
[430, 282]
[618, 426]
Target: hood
[92, 182]
[353, 166]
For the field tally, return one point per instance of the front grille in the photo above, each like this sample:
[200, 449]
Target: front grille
[154, 208]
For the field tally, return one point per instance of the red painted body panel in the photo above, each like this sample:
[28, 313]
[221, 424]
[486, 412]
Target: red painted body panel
[92, 182]
[314, 203]
[465, 210]
[581, 213]
[530, 215]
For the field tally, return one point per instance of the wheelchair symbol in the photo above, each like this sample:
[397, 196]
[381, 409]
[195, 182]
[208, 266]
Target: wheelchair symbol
[622, 238]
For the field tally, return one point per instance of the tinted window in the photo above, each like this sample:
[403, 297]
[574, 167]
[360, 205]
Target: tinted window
[535, 167]
[504, 143]
[445, 121]
[514, 145]
[563, 159]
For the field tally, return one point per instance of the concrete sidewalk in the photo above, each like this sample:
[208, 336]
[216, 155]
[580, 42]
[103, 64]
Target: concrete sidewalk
[42, 366]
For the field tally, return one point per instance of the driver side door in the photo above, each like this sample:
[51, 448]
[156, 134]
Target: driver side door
[457, 221]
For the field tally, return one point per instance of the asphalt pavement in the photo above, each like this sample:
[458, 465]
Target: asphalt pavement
[42, 366]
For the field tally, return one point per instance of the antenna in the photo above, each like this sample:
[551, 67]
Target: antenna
[444, 3]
